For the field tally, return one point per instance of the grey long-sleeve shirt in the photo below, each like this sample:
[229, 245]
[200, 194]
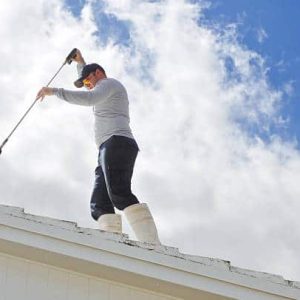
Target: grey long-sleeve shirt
[110, 105]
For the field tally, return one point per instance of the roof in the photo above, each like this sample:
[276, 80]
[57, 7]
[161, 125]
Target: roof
[115, 257]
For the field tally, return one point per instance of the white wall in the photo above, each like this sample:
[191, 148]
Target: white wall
[27, 280]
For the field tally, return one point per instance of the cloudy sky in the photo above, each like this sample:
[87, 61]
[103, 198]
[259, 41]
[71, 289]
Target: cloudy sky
[214, 99]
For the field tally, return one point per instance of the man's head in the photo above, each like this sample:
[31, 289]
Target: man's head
[90, 75]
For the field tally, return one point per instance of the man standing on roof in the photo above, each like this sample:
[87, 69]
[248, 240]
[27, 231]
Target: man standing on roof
[117, 150]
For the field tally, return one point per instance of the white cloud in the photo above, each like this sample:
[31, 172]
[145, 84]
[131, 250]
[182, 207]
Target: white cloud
[261, 35]
[215, 190]
[288, 87]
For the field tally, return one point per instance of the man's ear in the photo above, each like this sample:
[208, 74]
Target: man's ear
[99, 73]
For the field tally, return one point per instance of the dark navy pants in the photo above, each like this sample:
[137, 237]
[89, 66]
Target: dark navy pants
[113, 175]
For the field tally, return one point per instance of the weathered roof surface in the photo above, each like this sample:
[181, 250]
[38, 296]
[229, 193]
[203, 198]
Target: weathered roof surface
[163, 268]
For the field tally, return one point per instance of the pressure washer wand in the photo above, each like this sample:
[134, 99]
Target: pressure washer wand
[68, 60]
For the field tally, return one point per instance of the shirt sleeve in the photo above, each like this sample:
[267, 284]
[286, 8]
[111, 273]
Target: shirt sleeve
[85, 98]
[79, 68]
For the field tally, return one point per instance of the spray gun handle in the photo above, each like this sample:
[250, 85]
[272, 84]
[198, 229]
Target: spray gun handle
[71, 55]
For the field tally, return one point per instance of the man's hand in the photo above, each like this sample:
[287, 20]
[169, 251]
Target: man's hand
[78, 58]
[45, 91]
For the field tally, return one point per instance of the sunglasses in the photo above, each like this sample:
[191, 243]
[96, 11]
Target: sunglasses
[86, 81]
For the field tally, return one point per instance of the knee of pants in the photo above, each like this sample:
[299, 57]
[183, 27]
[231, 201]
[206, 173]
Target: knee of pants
[119, 183]
[119, 187]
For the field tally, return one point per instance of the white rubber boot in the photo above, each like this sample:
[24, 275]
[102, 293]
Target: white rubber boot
[142, 223]
[110, 223]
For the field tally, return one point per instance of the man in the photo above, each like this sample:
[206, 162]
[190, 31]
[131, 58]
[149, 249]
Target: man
[117, 150]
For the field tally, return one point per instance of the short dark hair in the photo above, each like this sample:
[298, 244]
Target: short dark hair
[86, 71]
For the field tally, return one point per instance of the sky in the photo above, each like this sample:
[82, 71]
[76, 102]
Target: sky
[214, 103]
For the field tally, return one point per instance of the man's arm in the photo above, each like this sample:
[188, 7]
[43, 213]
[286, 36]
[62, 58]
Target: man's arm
[85, 98]
[80, 62]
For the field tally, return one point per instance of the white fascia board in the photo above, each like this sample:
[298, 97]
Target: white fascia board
[116, 257]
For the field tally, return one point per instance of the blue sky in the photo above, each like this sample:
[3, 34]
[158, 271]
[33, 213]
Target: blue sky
[280, 19]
